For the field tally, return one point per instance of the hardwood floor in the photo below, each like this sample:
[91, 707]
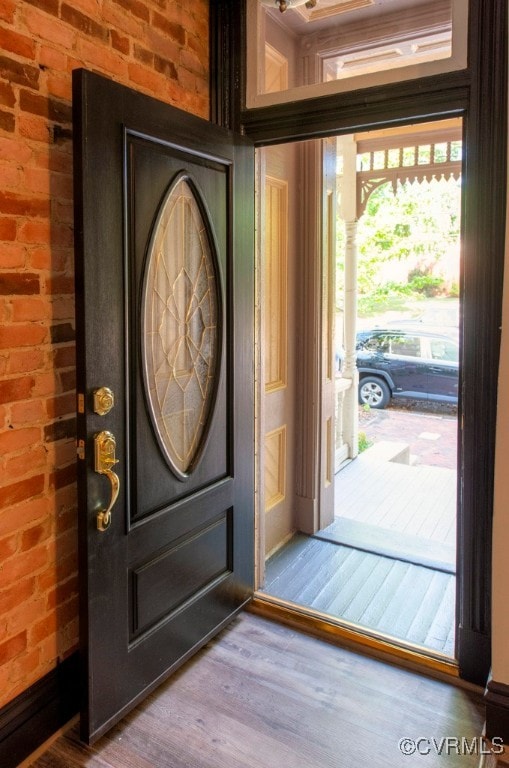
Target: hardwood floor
[262, 695]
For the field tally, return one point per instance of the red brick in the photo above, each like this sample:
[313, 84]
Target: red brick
[50, 6]
[17, 594]
[36, 180]
[67, 611]
[63, 405]
[15, 72]
[62, 592]
[145, 77]
[120, 42]
[34, 127]
[41, 257]
[7, 229]
[8, 547]
[44, 107]
[24, 564]
[170, 28]
[51, 58]
[146, 57]
[24, 665]
[13, 647]
[16, 389]
[136, 7]
[63, 211]
[14, 150]
[67, 380]
[162, 45]
[62, 332]
[190, 61]
[165, 67]
[25, 360]
[7, 8]
[24, 283]
[24, 514]
[31, 460]
[59, 86]
[11, 175]
[62, 186]
[49, 29]
[82, 23]
[45, 384]
[35, 232]
[43, 629]
[29, 308]
[105, 58]
[59, 430]
[12, 255]
[20, 205]
[60, 284]
[22, 335]
[7, 98]
[34, 535]
[15, 43]
[63, 477]
[27, 413]
[122, 22]
[23, 489]
[65, 357]
[62, 307]
[7, 121]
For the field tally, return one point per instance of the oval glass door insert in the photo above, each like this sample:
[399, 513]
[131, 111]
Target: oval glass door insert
[180, 327]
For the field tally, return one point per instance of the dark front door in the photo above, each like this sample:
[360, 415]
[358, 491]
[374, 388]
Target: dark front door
[164, 283]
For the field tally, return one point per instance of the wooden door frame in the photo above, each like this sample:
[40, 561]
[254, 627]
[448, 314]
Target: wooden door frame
[478, 94]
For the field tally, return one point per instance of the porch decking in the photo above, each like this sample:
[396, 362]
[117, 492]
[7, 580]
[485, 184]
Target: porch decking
[387, 562]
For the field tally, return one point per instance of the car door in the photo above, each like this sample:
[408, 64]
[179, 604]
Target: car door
[443, 368]
[164, 286]
[406, 366]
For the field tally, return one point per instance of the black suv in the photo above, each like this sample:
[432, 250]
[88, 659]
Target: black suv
[415, 363]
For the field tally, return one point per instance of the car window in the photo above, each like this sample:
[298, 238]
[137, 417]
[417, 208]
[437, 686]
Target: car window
[442, 349]
[376, 343]
[409, 346]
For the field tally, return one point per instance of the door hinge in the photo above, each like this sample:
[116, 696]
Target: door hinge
[80, 449]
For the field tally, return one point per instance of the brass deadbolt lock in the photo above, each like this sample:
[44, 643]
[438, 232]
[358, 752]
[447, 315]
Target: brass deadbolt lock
[104, 400]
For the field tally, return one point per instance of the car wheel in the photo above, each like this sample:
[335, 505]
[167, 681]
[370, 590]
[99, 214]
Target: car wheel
[374, 392]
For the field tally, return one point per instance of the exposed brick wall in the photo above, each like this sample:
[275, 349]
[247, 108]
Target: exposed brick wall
[159, 47]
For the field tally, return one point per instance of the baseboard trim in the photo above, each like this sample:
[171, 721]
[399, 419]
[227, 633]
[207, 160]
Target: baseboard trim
[33, 716]
[496, 698]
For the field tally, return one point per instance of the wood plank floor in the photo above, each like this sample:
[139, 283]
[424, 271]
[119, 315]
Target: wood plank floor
[396, 598]
[262, 695]
[416, 500]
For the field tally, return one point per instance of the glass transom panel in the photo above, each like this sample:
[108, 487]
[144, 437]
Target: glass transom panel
[180, 327]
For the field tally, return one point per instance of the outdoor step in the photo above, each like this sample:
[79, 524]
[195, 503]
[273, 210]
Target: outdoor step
[387, 450]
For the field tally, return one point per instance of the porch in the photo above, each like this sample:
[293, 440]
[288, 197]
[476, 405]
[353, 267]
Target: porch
[387, 562]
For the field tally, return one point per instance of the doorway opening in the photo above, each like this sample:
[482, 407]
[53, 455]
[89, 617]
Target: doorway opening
[359, 262]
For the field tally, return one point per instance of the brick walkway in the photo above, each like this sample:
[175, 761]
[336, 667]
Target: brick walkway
[429, 429]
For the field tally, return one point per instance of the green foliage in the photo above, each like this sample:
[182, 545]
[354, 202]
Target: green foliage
[427, 284]
[364, 442]
[383, 298]
[418, 227]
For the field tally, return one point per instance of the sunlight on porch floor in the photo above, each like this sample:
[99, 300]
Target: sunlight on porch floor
[387, 562]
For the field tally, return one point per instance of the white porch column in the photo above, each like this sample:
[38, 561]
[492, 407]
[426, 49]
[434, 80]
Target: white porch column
[350, 410]
[348, 212]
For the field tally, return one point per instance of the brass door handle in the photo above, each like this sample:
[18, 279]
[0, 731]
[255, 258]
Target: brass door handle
[105, 445]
